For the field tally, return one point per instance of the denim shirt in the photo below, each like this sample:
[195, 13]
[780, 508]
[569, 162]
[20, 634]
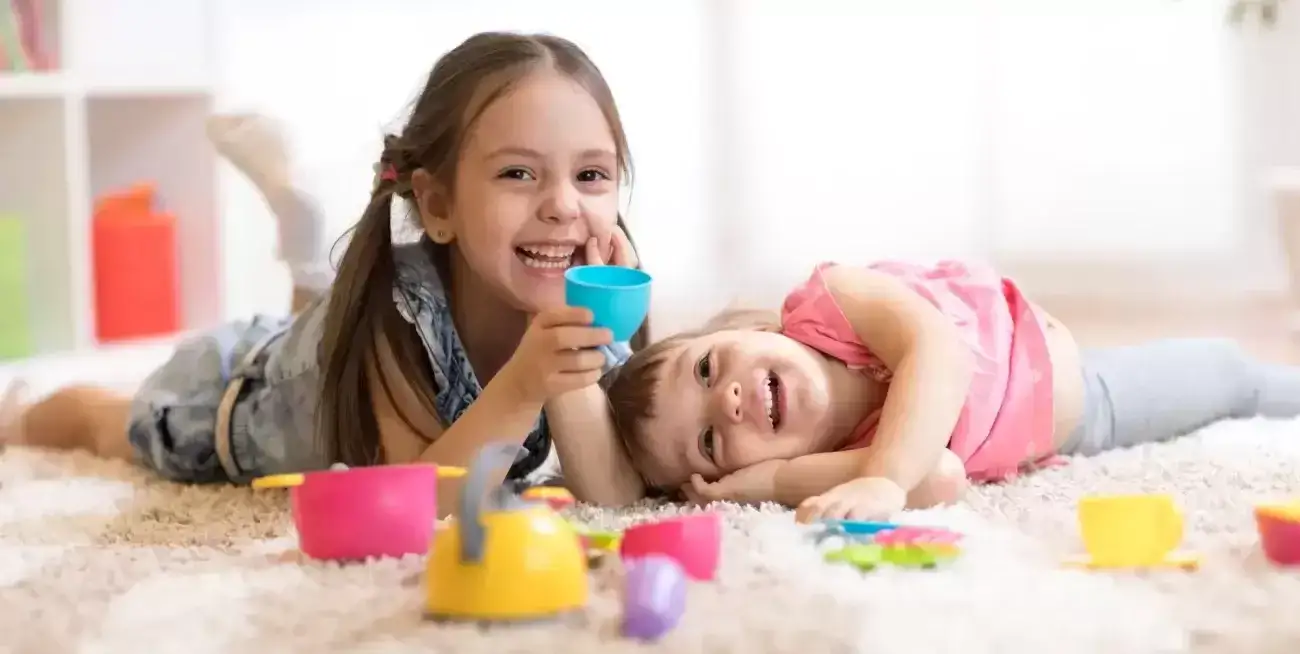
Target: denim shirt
[421, 299]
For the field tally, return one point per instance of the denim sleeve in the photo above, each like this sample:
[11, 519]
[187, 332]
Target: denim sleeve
[616, 354]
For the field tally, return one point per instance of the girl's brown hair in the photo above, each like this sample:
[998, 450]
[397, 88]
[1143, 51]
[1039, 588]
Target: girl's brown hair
[361, 312]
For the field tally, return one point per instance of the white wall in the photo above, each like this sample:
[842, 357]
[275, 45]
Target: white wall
[1084, 145]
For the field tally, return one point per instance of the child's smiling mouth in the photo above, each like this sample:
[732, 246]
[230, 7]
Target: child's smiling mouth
[550, 256]
[772, 399]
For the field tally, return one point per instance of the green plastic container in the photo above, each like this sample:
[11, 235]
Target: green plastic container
[15, 307]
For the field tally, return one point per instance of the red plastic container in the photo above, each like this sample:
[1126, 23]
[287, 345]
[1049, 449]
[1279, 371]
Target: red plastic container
[136, 280]
[694, 541]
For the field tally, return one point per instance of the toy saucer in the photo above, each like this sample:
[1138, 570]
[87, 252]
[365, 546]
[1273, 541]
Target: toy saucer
[1177, 560]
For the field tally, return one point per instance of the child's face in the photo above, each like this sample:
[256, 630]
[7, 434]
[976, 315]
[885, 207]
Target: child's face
[538, 176]
[735, 398]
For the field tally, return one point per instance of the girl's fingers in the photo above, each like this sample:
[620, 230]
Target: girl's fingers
[575, 380]
[594, 257]
[577, 338]
[580, 361]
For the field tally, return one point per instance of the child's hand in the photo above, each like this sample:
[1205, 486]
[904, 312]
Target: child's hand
[865, 498]
[557, 355]
[619, 251]
[751, 485]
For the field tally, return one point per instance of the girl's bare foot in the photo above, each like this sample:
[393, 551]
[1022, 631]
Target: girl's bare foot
[256, 145]
[13, 402]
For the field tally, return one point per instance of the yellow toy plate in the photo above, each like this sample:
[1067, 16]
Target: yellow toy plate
[279, 481]
[547, 493]
[1172, 561]
[1288, 511]
[296, 478]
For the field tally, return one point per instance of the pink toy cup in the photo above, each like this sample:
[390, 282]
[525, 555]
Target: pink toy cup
[1279, 533]
[357, 513]
[694, 541]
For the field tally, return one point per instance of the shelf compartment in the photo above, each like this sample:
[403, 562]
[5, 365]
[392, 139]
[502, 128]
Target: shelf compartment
[34, 190]
[120, 46]
[161, 142]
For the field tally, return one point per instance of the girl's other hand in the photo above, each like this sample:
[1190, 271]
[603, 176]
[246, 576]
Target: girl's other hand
[618, 252]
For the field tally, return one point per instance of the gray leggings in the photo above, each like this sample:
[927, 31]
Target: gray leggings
[1169, 388]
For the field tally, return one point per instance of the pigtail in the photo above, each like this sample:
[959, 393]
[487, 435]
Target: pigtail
[361, 316]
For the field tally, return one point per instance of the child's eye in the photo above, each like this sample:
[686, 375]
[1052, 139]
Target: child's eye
[592, 175]
[520, 174]
[703, 368]
[706, 444]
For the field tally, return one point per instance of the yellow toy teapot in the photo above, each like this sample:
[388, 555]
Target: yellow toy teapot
[503, 558]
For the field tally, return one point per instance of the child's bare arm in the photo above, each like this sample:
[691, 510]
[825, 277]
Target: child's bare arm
[408, 431]
[792, 482]
[813, 474]
[595, 464]
[931, 367]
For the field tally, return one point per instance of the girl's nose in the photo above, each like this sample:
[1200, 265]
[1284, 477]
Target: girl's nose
[562, 205]
[729, 402]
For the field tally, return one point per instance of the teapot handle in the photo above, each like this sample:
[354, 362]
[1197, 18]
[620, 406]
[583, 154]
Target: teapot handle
[472, 530]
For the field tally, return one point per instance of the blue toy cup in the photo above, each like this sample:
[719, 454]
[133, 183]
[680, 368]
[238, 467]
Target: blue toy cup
[618, 297]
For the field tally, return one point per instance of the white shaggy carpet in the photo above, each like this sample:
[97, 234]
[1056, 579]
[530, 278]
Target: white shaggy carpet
[97, 557]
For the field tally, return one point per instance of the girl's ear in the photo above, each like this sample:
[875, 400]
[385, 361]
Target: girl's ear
[435, 211]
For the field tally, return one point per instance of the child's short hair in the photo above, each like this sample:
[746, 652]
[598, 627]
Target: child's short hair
[632, 387]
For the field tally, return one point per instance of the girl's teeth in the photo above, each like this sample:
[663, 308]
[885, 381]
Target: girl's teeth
[547, 256]
[769, 400]
[551, 251]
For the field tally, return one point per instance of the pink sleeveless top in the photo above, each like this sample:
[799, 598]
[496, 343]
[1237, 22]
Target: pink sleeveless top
[1007, 419]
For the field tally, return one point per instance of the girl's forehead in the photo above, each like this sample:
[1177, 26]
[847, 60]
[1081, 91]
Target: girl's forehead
[540, 111]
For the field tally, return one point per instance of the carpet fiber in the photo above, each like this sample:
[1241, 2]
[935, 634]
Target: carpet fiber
[98, 557]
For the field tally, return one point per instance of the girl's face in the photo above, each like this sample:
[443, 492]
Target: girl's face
[537, 177]
[734, 398]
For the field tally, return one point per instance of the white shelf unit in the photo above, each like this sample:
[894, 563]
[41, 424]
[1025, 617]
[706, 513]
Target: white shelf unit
[134, 83]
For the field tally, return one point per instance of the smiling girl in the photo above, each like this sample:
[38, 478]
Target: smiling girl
[510, 165]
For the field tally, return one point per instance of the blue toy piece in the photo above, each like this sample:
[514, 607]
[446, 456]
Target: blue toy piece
[618, 297]
[854, 530]
[865, 528]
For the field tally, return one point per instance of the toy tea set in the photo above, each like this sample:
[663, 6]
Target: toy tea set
[510, 557]
[507, 557]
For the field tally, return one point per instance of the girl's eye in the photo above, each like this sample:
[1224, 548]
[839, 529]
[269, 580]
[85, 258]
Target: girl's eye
[706, 444]
[520, 174]
[592, 175]
[703, 368]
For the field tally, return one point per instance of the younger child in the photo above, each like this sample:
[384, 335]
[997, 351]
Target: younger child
[885, 386]
[511, 164]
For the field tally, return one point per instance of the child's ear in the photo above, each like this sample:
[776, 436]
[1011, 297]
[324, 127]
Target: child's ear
[431, 201]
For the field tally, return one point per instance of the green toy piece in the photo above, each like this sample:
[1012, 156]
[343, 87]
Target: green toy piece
[864, 557]
[903, 547]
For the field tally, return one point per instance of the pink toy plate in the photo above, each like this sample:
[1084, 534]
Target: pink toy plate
[694, 541]
[1279, 532]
